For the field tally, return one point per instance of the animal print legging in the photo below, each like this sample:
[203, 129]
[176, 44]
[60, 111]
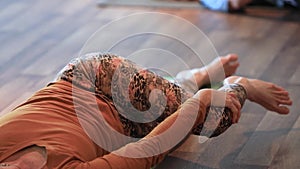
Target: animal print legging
[142, 98]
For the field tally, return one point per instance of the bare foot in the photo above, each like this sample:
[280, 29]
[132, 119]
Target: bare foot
[238, 4]
[216, 71]
[269, 95]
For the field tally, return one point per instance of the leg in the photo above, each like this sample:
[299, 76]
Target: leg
[216, 71]
[133, 90]
[142, 82]
[268, 95]
[140, 95]
[151, 98]
[143, 99]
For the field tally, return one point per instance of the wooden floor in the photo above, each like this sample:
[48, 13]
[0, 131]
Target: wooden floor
[39, 37]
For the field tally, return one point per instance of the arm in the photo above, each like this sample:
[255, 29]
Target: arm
[219, 119]
[151, 149]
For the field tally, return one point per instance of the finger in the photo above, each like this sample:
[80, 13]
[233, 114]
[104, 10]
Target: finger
[232, 111]
[233, 108]
[235, 100]
[238, 106]
[239, 117]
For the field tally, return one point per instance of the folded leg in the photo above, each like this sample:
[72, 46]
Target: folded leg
[143, 98]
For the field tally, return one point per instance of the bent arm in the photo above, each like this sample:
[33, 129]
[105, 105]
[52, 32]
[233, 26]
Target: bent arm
[219, 119]
[152, 149]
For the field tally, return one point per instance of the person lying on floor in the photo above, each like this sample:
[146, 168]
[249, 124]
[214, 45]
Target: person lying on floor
[237, 5]
[81, 119]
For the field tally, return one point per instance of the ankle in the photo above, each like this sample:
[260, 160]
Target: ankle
[201, 76]
[251, 89]
[245, 82]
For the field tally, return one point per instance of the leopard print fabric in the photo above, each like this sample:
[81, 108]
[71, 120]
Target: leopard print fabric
[142, 98]
[219, 119]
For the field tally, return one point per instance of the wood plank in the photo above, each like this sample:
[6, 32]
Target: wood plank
[120, 31]
[26, 86]
[31, 17]
[70, 47]
[23, 97]
[284, 68]
[295, 79]
[11, 10]
[240, 39]
[152, 4]
[13, 89]
[268, 136]
[288, 154]
[286, 63]
[24, 60]
[49, 36]
[181, 45]
[21, 41]
[51, 28]
[264, 51]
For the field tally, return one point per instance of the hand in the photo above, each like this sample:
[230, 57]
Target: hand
[211, 97]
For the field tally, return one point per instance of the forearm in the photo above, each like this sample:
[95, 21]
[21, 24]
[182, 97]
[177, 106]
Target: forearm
[152, 149]
[163, 138]
[219, 119]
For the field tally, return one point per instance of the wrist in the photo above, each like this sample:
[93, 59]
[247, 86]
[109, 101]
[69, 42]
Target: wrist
[204, 97]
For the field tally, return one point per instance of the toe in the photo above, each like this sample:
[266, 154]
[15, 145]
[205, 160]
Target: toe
[282, 110]
[281, 93]
[283, 101]
[234, 65]
[232, 57]
[287, 102]
[282, 97]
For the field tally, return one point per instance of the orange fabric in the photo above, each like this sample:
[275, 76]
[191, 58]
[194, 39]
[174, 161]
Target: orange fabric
[50, 119]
